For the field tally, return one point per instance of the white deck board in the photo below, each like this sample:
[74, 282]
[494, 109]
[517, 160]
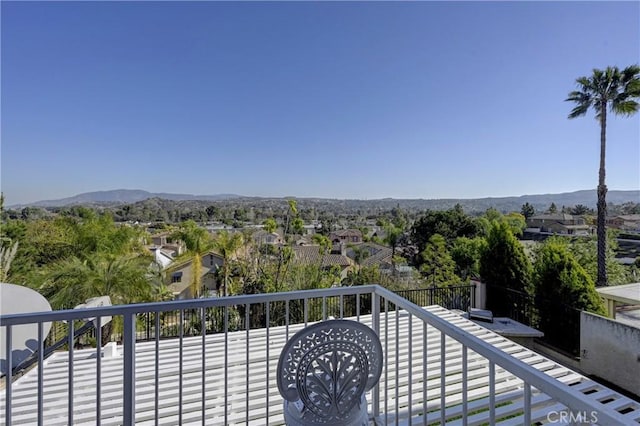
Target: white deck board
[239, 379]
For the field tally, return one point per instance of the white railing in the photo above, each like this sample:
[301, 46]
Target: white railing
[438, 366]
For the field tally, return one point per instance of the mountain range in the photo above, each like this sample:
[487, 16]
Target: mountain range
[584, 197]
[123, 196]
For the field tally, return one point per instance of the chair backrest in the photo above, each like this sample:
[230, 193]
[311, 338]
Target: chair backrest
[328, 366]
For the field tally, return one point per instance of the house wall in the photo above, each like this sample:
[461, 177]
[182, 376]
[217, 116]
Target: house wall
[557, 228]
[610, 350]
[159, 240]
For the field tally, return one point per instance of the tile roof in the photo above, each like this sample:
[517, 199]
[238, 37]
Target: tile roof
[311, 255]
[378, 254]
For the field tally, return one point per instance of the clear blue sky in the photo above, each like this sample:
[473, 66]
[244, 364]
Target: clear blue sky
[337, 99]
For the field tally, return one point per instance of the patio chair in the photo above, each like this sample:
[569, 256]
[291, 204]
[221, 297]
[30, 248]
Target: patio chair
[324, 371]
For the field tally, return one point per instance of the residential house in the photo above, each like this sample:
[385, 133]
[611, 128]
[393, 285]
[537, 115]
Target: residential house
[347, 236]
[162, 257]
[627, 222]
[382, 256]
[561, 223]
[263, 237]
[164, 241]
[376, 255]
[180, 276]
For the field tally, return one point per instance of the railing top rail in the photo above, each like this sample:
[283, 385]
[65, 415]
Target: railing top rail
[450, 287]
[545, 383]
[76, 314]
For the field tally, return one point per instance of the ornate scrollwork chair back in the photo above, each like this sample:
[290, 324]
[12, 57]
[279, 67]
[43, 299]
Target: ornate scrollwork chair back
[325, 370]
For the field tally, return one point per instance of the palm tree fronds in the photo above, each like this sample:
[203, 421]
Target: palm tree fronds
[626, 108]
[579, 110]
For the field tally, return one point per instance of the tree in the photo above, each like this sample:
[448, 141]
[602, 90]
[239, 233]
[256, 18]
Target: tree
[368, 275]
[74, 280]
[504, 266]
[7, 254]
[527, 210]
[451, 224]
[197, 241]
[465, 252]
[270, 225]
[324, 246]
[297, 226]
[438, 267]
[560, 281]
[227, 244]
[552, 209]
[617, 91]
[156, 277]
[579, 210]
[517, 222]
[292, 212]
[393, 235]
[585, 252]
[359, 255]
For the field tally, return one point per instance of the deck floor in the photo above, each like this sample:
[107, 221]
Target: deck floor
[248, 372]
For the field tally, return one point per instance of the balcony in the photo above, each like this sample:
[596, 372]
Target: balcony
[439, 367]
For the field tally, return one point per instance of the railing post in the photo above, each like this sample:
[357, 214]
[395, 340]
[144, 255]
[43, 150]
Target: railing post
[375, 319]
[129, 378]
[473, 295]
[8, 375]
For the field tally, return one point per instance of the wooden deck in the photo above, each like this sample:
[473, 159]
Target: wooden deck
[249, 371]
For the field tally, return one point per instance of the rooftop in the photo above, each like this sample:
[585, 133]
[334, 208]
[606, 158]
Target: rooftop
[626, 293]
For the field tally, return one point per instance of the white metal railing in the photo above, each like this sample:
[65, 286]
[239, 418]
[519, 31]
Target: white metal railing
[438, 367]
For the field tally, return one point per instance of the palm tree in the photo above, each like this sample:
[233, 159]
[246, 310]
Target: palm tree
[227, 244]
[324, 246]
[7, 254]
[197, 241]
[618, 91]
[392, 238]
[72, 281]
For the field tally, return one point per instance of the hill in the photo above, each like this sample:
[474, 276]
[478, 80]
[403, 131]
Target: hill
[123, 196]
[505, 204]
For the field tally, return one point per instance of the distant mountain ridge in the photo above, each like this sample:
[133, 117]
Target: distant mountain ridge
[539, 201]
[125, 196]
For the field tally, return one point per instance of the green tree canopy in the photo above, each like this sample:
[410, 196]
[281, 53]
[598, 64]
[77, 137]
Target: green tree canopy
[270, 225]
[560, 280]
[72, 281]
[227, 244]
[527, 210]
[504, 266]
[465, 252]
[450, 224]
[584, 250]
[437, 266]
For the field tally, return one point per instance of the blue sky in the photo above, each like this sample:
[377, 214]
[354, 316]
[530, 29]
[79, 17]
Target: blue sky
[336, 99]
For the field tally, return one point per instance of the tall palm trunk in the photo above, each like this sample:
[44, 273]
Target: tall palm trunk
[196, 282]
[602, 202]
[226, 279]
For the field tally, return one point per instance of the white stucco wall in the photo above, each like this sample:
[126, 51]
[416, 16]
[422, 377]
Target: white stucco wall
[610, 350]
[481, 294]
